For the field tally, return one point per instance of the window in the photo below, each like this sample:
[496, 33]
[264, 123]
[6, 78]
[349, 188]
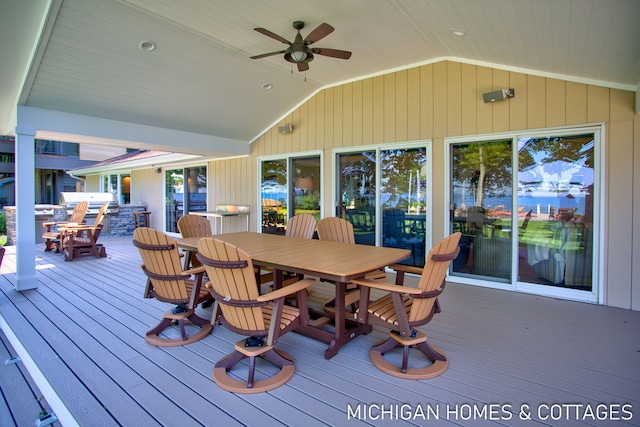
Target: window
[118, 184]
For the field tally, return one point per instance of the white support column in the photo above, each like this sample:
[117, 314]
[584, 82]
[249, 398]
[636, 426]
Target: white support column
[25, 208]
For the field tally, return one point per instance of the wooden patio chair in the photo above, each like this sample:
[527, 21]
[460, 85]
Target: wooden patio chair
[194, 226]
[82, 240]
[51, 233]
[340, 230]
[167, 282]
[263, 318]
[302, 226]
[405, 308]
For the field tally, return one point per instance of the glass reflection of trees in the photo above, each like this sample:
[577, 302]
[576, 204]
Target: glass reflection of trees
[482, 168]
[402, 177]
[358, 180]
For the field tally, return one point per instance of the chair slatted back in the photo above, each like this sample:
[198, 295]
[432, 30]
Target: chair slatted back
[336, 230]
[97, 224]
[79, 212]
[163, 260]
[233, 283]
[87, 234]
[302, 226]
[194, 226]
[101, 214]
[434, 274]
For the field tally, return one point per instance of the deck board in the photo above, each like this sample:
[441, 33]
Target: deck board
[20, 400]
[86, 322]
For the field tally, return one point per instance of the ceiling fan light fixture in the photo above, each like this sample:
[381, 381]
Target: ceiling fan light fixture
[299, 56]
[298, 53]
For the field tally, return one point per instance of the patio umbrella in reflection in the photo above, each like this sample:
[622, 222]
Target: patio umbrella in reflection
[555, 176]
[273, 190]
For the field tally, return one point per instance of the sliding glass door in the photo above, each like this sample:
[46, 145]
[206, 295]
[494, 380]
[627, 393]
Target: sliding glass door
[385, 193]
[357, 188]
[289, 186]
[481, 199]
[533, 229]
[556, 193]
[185, 191]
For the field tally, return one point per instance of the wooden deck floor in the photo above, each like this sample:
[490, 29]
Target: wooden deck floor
[85, 323]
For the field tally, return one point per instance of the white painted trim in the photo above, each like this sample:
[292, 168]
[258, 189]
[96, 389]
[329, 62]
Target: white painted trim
[49, 17]
[53, 399]
[61, 126]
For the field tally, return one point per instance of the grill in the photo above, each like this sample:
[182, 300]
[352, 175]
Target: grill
[96, 200]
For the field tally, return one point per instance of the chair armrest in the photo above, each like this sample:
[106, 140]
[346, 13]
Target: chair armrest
[287, 290]
[51, 223]
[196, 270]
[389, 287]
[75, 226]
[407, 268]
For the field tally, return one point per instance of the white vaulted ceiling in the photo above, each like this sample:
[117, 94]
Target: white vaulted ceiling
[199, 78]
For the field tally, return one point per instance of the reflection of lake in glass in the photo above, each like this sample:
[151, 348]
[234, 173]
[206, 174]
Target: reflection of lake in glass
[527, 202]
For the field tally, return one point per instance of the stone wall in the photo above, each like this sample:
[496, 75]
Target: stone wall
[124, 223]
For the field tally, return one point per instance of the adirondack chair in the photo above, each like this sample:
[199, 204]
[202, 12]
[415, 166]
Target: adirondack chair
[194, 226]
[405, 308]
[82, 240]
[263, 318]
[340, 230]
[167, 282]
[51, 233]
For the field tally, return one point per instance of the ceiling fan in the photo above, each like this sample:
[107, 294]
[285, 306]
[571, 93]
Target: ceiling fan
[299, 51]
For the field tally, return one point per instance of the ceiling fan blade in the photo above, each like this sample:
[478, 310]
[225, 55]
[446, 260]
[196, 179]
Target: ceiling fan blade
[272, 35]
[320, 32]
[303, 66]
[264, 55]
[334, 53]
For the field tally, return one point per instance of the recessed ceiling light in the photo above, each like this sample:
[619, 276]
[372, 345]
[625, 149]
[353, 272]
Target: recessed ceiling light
[267, 86]
[457, 32]
[147, 45]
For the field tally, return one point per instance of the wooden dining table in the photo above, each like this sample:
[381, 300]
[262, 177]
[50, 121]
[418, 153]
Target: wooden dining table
[335, 262]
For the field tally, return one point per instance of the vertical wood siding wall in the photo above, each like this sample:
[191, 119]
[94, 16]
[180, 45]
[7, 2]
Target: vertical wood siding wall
[443, 100]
